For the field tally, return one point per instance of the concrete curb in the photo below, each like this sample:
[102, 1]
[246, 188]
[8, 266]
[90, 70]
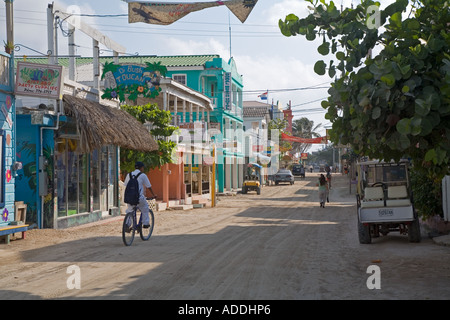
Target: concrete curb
[442, 240]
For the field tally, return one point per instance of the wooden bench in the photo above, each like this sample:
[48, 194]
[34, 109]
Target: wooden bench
[6, 231]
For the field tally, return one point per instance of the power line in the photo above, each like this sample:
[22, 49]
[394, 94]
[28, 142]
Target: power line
[126, 15]
[304, 103]
[171, 32]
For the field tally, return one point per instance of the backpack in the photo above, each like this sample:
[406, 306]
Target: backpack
[132, 193]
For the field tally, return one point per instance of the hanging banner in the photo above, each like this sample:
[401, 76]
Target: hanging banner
[165, 13]
[320, 140]
[130, 81]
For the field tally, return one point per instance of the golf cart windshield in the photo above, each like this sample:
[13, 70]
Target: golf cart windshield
[387, 173]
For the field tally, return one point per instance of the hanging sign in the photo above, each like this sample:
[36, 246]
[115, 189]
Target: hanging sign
[38, 80]
[130, 81]
[165, 13]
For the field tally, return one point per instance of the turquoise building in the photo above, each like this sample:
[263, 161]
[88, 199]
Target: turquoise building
[8, 163]
[219, 80]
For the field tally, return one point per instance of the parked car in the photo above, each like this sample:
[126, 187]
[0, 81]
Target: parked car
[298, 170]
[283, 175]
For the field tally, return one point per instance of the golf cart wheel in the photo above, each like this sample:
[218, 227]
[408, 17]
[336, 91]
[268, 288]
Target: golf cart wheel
[414, 231]
[244, 190]
[258, 191]
[364, 233]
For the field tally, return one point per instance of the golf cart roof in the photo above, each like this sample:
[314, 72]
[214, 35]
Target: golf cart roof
[381, 163]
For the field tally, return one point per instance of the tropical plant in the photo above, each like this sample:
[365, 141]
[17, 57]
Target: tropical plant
[280, 126]
[161, 129]
[304, 128]
[392, 96]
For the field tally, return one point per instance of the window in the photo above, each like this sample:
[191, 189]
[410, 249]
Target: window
[84, 182]
[181, 78]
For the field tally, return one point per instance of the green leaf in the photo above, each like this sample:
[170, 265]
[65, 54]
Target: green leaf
[324, 48]
[413, 24]
[422, 107]
[364, 101]
[340, 55]
[376, 113]
[426, 127]
[404, 142]
[431, 156]
[404, 126]
[416, 125]
[320, 67]
[332, 71]
[389, 79]
[396, 20]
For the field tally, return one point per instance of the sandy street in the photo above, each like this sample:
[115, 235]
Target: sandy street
[278, 245]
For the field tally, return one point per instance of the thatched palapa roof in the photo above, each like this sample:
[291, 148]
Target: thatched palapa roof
[101, 125]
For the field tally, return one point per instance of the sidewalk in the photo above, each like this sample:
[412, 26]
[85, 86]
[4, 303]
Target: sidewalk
[442, 240]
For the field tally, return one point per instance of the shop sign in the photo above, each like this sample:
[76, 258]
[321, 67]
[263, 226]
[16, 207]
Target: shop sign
[130, 81]
[38, 80]
[227, 103]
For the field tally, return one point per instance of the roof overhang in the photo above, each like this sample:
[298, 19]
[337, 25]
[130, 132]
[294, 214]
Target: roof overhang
[100, 125]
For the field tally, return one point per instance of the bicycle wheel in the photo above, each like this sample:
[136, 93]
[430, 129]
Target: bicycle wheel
[146, 233]
[128, 229]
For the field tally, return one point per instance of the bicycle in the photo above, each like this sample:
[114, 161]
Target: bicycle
[131, 226]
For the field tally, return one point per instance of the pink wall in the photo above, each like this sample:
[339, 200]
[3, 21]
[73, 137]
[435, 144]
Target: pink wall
[168, 186]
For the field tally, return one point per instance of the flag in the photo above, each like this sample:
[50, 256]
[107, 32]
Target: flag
[264, 95]
[165, 13]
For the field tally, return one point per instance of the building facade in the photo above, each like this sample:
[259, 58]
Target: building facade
[213, 77]
[8, 164]
[69, 149]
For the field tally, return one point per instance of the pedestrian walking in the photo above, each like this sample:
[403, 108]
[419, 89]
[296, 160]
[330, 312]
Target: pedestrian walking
[323, 190]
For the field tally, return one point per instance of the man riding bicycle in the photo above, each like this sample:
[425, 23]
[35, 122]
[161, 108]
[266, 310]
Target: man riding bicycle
[143, 182]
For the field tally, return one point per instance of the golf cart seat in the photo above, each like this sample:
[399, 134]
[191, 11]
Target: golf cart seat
[373, 197]
[397, 196]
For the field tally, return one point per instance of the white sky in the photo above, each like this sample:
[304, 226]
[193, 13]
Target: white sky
[266, 59]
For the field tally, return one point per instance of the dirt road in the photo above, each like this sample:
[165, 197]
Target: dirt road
[279, 245]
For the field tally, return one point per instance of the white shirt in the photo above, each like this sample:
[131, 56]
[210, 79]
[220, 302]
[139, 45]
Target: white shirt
[142, 180]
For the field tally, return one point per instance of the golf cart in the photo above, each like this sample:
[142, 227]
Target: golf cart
[384, 201]
[252, 179]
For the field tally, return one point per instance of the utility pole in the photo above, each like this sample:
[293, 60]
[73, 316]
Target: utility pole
[9, 24]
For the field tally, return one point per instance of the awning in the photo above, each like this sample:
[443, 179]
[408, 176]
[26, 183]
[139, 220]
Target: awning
[101, 125]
